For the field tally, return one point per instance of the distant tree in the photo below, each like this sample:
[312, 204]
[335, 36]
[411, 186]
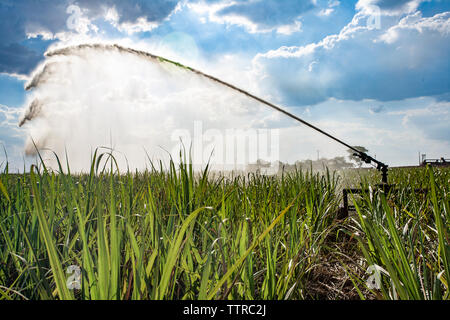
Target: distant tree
[352, 157]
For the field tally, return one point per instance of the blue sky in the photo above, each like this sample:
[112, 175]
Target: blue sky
[375, 72]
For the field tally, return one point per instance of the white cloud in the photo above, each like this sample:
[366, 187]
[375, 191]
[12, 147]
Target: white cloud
[45, 35]
[439, 110]
[328, 42]
[388, 8]
[394, 133]
[325, 12]
[79, 27]
[9, 116]
[334, 3]
[415, 22]
[16, 76]
[210, 11]
[290, 29]
[408, 58]
[213, 13]
[140, 25]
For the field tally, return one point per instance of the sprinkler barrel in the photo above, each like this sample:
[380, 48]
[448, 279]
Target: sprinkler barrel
[380, 165]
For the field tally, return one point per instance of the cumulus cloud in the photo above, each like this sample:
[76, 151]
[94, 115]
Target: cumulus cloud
[415, 24]
[326, 12]
[256, 16]
[130, 11]
[432, 121]
[131, 16]
[10, 135]
[388, 7]
[268, 13]
[12, 140]
[395, 133]
[9, 115]
[408, 59]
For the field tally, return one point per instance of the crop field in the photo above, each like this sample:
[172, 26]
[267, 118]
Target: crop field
[172, 233]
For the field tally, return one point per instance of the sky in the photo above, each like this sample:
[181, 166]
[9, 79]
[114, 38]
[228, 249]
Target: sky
[373, 72]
